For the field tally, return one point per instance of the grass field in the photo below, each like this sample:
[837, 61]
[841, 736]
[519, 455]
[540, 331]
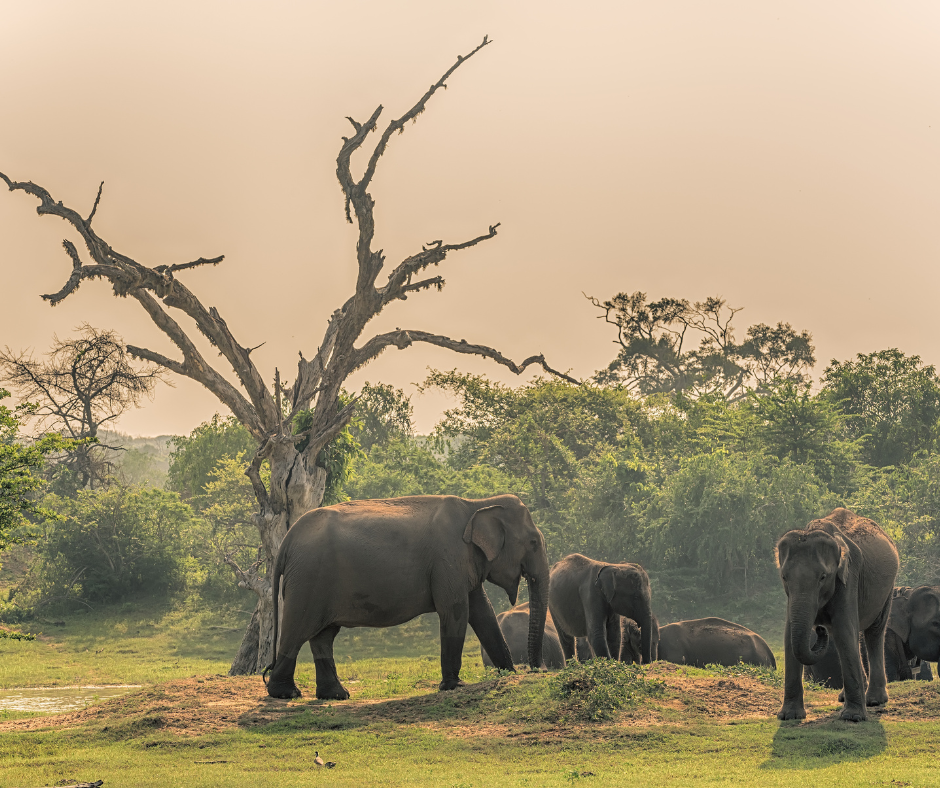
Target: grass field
[191, 726]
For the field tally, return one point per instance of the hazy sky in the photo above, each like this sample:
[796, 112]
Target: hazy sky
[782, 155]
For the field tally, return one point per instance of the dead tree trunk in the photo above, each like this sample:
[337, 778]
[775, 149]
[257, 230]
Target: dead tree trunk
[297, 482]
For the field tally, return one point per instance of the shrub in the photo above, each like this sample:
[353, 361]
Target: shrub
[599, 687]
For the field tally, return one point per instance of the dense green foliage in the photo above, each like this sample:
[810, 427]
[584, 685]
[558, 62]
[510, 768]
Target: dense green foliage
[19, 464]
[196, 456]
[114, 543]
[893, 401]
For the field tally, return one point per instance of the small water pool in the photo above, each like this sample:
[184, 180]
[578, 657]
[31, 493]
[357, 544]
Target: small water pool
[55, 700]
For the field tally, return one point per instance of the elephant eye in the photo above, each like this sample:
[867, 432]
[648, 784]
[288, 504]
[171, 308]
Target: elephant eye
[822, 577]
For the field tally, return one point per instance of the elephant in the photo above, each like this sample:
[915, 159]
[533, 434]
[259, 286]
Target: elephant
[913, 638]
[703, 641]
[828, 671]
[514, 624]
[379, 563]
[838, 574]
[587, 598]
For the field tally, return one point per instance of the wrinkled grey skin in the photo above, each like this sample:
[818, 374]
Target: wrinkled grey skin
[828, 671]
[384, 562]
[630, 642]
[838, 574]
[703, 641]
[913, 637]
[514, 624]
[587, 599]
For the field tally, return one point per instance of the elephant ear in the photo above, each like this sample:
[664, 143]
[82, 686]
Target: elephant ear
[900, 619]
[606, 582]
[486, 530]
[844, 556]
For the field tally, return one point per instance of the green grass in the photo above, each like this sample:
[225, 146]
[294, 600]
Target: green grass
[764, 753]
[500, 731]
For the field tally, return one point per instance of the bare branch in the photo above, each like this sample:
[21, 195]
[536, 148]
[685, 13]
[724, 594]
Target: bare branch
[417, 109]
[95, 206]
[402, 339]
[399, 281]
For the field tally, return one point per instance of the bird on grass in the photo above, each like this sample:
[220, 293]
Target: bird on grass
[320, 762]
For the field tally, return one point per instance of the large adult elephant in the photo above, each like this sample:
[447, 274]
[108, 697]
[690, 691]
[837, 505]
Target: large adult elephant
[838, 574]
[913, 637]
[381, 563]
[703, 641]
[587, 599]
[514, 624]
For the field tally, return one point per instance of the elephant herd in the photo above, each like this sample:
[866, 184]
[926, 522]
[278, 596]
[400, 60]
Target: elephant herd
[379, 563]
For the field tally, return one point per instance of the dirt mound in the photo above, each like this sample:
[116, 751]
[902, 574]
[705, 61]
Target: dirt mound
[211, 704]
[185, 706]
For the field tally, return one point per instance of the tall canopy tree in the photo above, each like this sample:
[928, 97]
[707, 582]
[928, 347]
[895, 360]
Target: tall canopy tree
[297, 480]
[672, 345]
[85, 382]
[893, 402]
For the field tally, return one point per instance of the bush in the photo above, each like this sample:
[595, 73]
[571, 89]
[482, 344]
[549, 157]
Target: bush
[599, 687]
[114, 543]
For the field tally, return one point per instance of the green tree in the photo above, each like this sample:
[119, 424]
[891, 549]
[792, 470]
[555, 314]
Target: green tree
[894, 402]
[115, 543]
[20, 463]
[383, 413]
[196, 456]
[675, 346]
[721, 514]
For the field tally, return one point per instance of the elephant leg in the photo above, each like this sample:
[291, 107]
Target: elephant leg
[614, 636]
[792, 708]
[328, 683]
[846, 637]
[280, 682]
[483, 621]
[596, 614]
[454, 619]
[877, 694]
[567, 643]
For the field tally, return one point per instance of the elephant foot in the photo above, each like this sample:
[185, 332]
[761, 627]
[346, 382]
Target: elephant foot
[853, 714]
[792, 711]
[879, 698]
[333, 694]
[449, 684]
[283, 691]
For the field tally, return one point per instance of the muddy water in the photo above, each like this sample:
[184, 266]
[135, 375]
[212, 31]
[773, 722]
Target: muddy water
[55, 700]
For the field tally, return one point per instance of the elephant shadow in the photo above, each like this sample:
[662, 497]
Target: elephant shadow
[822, 743]
[325, 715]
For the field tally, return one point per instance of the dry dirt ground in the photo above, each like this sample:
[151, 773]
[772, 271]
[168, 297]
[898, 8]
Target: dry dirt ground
[211, 704]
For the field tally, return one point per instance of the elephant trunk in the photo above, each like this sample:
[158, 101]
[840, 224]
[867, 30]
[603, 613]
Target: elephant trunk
[801, 630]
[538, 610]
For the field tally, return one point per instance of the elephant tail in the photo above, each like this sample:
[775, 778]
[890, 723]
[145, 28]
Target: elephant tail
[275, 588]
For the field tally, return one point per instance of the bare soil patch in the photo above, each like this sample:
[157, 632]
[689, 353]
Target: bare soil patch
[210, 704]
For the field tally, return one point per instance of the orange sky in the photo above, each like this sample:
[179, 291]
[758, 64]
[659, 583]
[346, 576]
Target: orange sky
[785, 159]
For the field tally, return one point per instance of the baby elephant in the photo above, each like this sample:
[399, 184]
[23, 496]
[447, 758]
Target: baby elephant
[704, 641]
[589, 598]
[514, 624]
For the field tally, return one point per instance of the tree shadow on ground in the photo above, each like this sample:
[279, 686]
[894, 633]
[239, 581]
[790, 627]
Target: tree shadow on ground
[821, 743]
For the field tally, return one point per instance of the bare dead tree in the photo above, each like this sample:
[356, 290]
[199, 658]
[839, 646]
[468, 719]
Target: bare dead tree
[296, 481]
[83, 382]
